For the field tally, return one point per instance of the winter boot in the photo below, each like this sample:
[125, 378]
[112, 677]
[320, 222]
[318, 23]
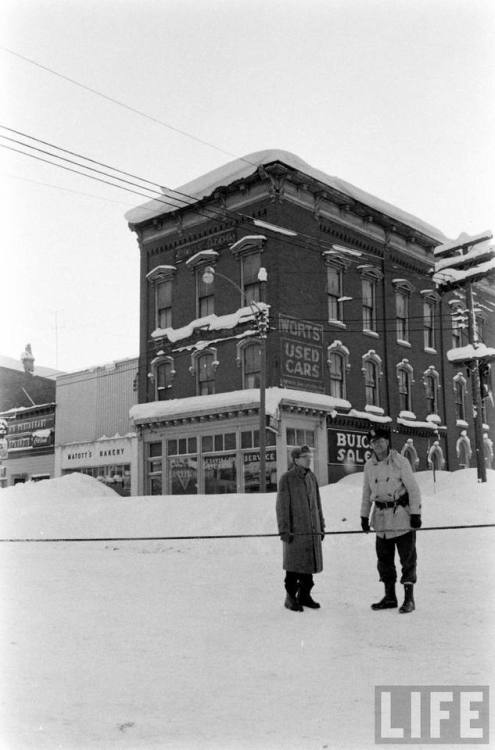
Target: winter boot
[306, 599]
[389, 601]
[409, 605]
[293, 603]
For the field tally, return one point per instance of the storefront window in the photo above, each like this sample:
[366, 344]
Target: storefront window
[251, 466]
[295, 438]
[183, 475]
[154, 468]
[116, 476]
[220, 473]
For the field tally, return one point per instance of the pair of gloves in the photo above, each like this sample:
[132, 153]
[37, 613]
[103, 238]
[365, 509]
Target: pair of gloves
[287, 537]
[415, 521]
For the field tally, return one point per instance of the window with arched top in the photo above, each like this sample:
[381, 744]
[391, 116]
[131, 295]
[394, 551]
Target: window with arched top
[460, 395]
[369, 282]
[249, 359]
[431, 382]
[163, 371]
[338, 365]
[203, 366]
[161, 279]
[372, 371]
[405, 380]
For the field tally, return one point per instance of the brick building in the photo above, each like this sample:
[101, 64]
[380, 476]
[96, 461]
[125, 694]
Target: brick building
[358, 333]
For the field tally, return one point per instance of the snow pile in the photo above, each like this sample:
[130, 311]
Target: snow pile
[186, 645]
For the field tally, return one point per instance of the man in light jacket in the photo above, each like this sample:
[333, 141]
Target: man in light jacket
[301, 527]
[389, 484]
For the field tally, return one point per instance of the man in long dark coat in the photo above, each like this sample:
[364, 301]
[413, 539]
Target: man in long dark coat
[302, 528]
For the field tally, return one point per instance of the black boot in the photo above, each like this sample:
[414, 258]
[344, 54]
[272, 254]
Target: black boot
[293, 603]
[409, 605]
[305, 596]
[389, 601]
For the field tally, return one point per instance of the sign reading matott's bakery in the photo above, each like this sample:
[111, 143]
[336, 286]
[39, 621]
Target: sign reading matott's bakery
[301, 354]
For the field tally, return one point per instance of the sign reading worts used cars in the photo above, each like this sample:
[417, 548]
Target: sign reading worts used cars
[301, 354]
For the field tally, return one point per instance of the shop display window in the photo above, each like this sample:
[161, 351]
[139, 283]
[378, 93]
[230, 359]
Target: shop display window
[251, 468]
[220, 473]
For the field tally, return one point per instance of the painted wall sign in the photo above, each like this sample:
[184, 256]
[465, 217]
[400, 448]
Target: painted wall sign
[301, 354]
[97, 454]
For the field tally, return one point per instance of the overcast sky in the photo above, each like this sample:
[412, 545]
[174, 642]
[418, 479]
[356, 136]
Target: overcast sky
[394, 97]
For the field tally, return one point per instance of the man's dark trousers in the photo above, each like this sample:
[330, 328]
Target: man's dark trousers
[294, 580]
[406, 547]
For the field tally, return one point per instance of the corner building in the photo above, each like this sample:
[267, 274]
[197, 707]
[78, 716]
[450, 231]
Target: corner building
[357, 336]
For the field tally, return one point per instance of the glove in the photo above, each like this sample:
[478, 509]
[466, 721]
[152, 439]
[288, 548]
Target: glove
[287, 537]
[415, 521]
[365, 524]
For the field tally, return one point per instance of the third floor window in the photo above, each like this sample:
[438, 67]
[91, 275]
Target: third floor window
[163, 304]
[334, 291]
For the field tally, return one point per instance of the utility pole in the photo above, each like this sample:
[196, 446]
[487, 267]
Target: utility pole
[475, 386]
[263, 333]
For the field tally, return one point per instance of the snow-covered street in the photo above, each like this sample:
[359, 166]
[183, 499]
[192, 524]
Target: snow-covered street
[186, 644]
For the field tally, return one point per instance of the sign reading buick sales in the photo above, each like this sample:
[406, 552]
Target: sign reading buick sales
[301, 354]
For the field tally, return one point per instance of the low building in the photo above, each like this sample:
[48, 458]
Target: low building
[94, 433]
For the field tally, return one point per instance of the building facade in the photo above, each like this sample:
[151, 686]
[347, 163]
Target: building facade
[94, 433]
[358, 333]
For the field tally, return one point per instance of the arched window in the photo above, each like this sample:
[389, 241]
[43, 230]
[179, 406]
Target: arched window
[204, 365]
[460, 396]
[372, 371]
[161, 278]
[370, 277]
[162, 371]
[405, 381]
[403, 290]
[431, 380]
[338, 364]
[249, 356]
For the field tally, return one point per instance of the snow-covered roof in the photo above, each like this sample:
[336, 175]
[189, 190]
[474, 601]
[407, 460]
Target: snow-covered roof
[210, 323]
[11, 363]
[464, 353]
[204, 186]
[248, 398]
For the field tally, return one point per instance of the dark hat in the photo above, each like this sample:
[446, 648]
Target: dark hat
[377, 432]
[298, 452]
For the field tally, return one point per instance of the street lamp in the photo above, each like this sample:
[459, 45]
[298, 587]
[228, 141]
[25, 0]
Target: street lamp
[261, 312]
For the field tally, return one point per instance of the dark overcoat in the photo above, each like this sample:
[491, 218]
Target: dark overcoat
[299, 512]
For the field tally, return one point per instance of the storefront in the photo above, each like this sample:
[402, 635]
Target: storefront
[187, 448]
[112, 461]
[27, 447]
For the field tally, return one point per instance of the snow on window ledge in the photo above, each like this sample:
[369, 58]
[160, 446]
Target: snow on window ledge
[372, 409]
[339, 323]
[434, 418]
[429, 350]
[407, 415]
[461, 423]
[403, 342]
[369, 332]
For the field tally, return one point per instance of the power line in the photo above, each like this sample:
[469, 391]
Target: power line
[123, 104]
[66, 190]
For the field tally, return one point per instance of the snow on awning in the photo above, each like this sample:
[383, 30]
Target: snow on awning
[426, 425]
[249, 398]
[464, 240]
[455, 276]
[480, 253]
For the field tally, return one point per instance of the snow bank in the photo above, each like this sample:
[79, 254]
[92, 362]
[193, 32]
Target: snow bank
[79, 506]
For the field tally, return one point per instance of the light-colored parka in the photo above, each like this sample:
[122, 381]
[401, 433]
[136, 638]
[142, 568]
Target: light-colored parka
[299, 512]
[386, 481]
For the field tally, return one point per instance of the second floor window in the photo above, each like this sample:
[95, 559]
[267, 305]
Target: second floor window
[163, 301]
[251, 360]
[402, 315]
[431, 394]
[460, 398]
[337, 375]
[334, 291]
[371, 383]
[369, 304]
[205, 375]
[429, 324]
[404, 378]
[164, 375]
[250, 266]
[205, 295]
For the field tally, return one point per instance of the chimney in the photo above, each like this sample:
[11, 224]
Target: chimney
[27, 359]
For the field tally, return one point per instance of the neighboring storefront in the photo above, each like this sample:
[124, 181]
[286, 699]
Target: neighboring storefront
[28, 447]
[210, 444]
[110, 460]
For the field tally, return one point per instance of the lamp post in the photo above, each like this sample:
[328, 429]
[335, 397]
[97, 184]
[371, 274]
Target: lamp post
[261, 312]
